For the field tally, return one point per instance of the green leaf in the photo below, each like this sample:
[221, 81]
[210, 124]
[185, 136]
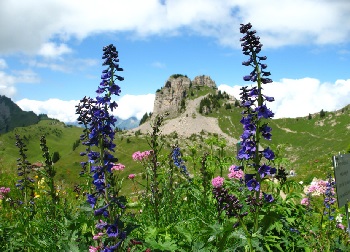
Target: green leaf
[184, 232]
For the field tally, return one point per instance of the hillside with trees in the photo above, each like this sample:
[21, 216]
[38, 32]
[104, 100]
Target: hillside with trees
[12, 116]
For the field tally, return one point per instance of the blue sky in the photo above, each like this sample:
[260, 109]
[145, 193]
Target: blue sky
[50, 54]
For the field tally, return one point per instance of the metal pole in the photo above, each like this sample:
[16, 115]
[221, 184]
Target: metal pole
[347, 217]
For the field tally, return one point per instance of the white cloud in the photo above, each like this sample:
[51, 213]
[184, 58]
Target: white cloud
[134, 105]
[51, 50]
[63, 65]
[128, 106]
[299, 97]
[8, 82]
[279, 23]
[3, 64]
[54, 108]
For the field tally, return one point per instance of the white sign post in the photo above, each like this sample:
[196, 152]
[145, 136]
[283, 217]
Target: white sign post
[341, 165]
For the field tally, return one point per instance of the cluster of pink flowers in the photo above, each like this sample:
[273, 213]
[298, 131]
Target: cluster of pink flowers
[341, 226]
[93, 249]
[305, 201]
[317, 187]
[97, 236]
[4, 191]
[139, 156]
[235, 173]
[217, 182]
[131, 176]
[118, 167]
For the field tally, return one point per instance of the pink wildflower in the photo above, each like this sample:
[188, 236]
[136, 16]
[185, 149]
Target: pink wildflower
[131, 176]
[139, 156]
[341, 226]
[235, 174]
[217, 182]
[305, 201]
[232, 168]
[118, 167]
[317, 187]
[93, 249]
[136, 156]
[97, 236]
[4, 190]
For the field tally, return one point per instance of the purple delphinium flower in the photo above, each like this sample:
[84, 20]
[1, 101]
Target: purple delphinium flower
[266, 131]
[91, 200]
[268, 197]
[253, 185]
[178, 162]
[102, 211]
[99, 133]
[329, 198]
[112, 231]
[264, 112]
[264, 170]
[268, 154]
[255, 115]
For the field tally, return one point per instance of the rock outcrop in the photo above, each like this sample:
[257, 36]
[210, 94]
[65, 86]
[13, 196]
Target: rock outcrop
[170, 97]
[203, 80]
[184, 118]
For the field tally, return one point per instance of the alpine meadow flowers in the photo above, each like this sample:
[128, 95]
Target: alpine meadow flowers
[256, 162]
[156, 199]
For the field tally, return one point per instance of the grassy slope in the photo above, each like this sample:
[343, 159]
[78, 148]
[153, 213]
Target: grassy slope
[59, 138]
[309, 144]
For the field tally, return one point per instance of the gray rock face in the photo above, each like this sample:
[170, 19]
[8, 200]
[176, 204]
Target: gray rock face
[203, 80]
[168, 99]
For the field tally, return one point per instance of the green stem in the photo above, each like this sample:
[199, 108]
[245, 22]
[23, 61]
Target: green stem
[257, 157]
[248, 235]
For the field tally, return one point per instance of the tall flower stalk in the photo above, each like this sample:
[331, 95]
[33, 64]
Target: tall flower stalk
[49, 171]
[156, 147]
[24, 171]
[329, 201]
[256, 160]
[99, 136]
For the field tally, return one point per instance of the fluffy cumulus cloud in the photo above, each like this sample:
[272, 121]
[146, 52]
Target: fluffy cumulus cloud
[9, 80]
[128, 106]
[7, 87]
[51, 50]
[288, 22]
[54, 108]
[134, 105]
[299, 97]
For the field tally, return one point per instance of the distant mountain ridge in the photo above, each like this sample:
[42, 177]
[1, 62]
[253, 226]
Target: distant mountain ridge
[129, 123]
[12, 116]
[124, 124]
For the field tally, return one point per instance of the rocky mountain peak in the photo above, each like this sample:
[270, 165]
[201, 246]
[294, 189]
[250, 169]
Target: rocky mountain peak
[203, 80]
[170, 98]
